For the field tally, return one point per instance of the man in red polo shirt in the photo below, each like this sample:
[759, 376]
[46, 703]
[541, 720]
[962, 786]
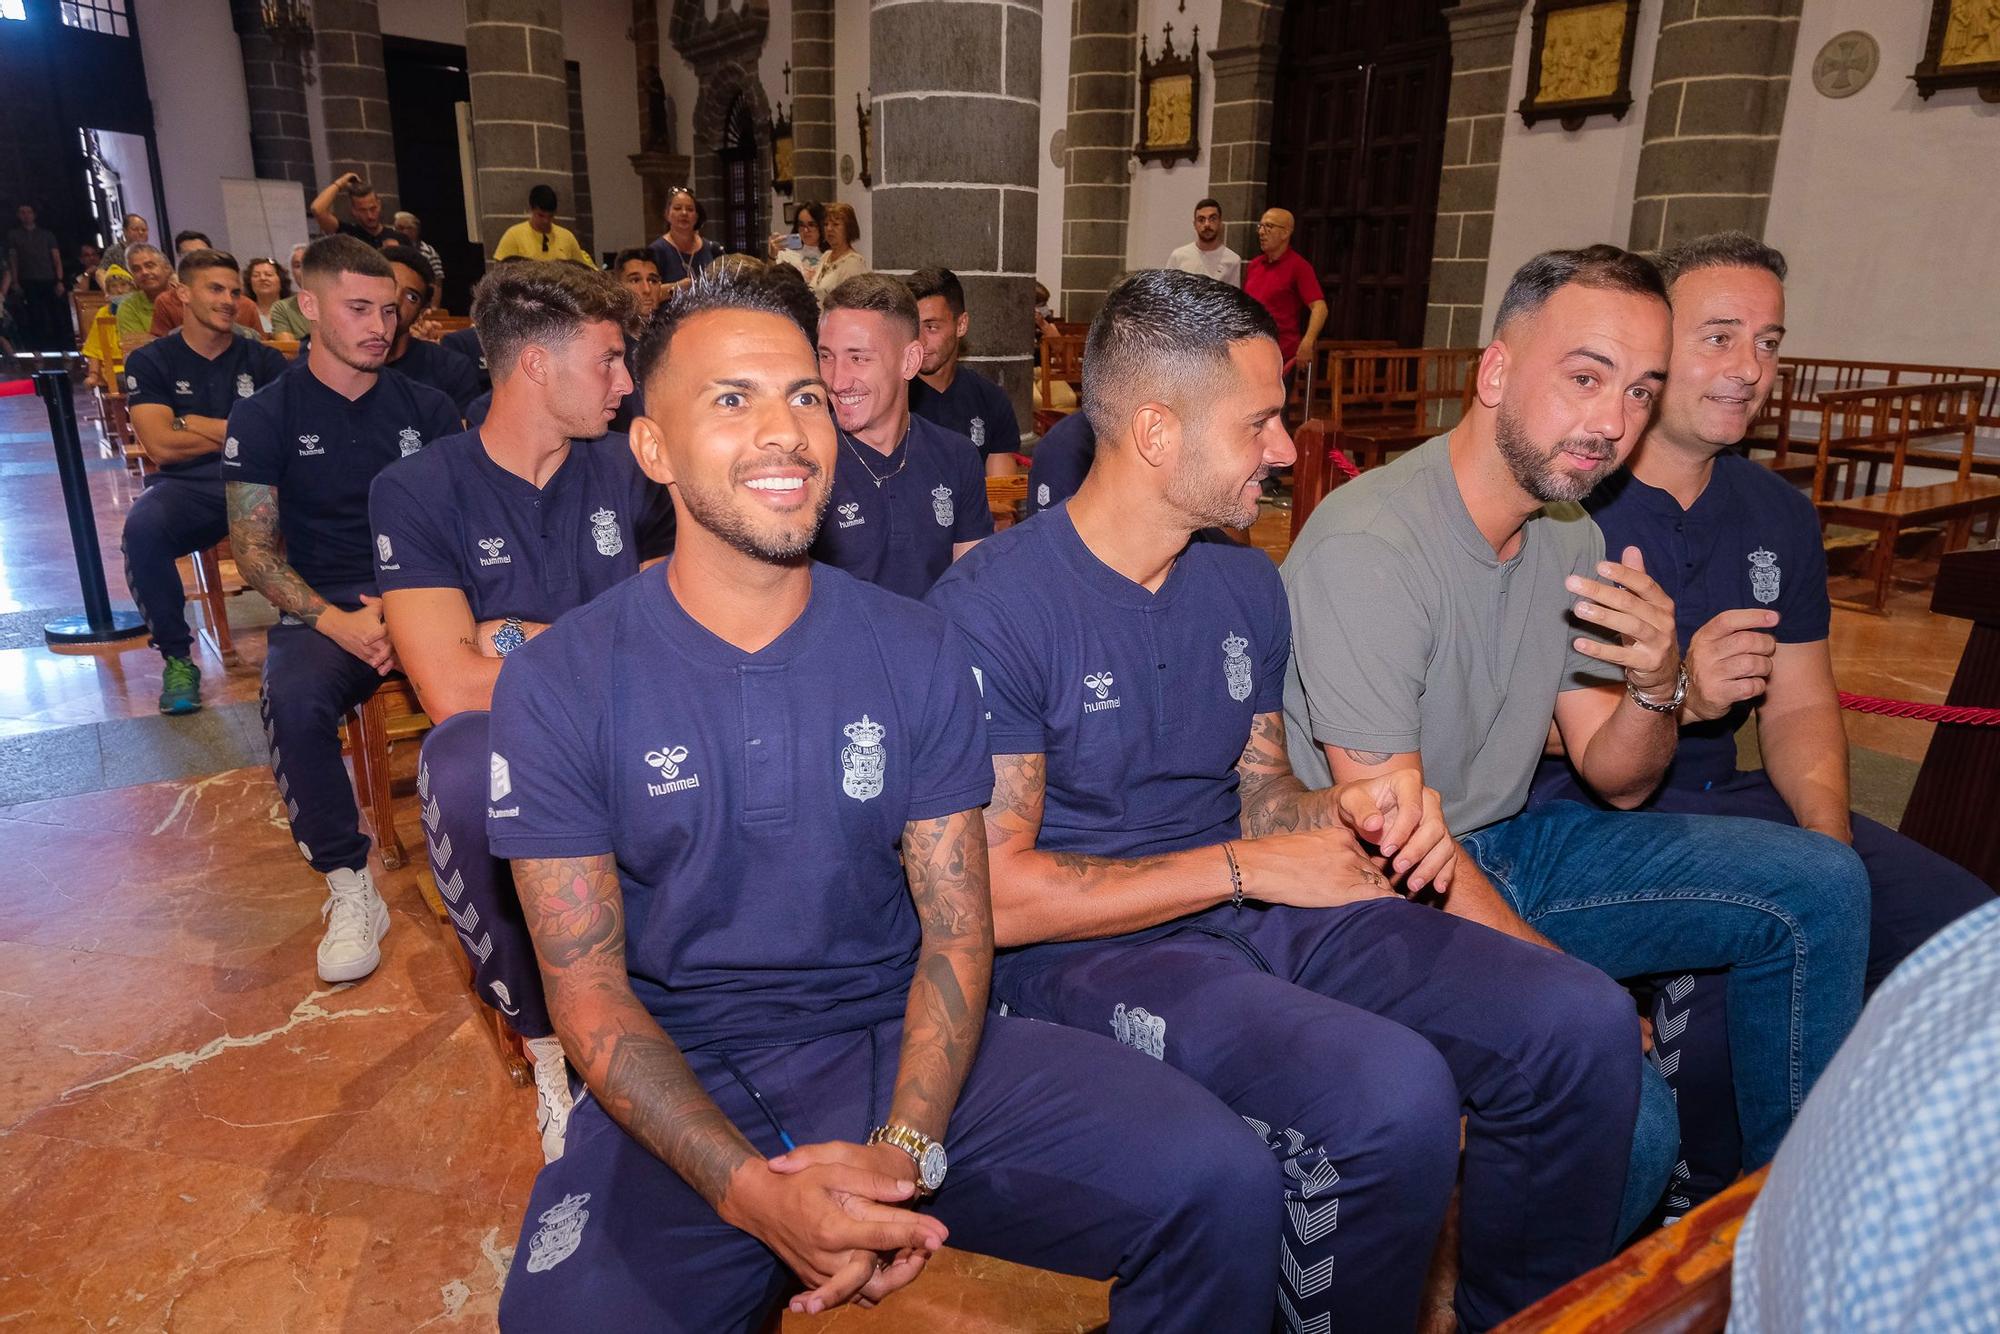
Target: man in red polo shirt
[1284, 282]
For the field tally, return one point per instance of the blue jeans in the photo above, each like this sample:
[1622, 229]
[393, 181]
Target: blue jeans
[1638, 893]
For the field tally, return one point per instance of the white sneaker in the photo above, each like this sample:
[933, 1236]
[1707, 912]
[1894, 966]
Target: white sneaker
[552, 1099]
[356, 920]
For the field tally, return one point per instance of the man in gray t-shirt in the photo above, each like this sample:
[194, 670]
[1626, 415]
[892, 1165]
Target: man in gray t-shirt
[1431, 630]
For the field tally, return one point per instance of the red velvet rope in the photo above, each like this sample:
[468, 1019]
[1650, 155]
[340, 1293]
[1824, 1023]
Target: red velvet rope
[1926, 713]
[1344, 463]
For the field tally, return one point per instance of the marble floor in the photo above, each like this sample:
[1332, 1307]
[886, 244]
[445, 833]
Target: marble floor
[195, 1134]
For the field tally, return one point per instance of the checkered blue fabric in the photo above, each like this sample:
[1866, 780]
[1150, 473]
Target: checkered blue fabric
[1882, 1212]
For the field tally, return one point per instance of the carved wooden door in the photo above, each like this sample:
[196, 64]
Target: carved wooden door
[1356, 143]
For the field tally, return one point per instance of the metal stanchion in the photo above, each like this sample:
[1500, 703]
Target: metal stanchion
[100, 623]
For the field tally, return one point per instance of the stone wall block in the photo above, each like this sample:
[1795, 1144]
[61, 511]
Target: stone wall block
[991, 140]
[957, 46]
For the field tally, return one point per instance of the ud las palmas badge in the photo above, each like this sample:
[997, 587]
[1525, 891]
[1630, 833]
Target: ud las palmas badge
[862, 761]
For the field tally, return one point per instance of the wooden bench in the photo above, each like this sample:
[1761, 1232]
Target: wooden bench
[1816, 376]
[1876, 425]
[1385, 400]
[1061, 363]
[1005, 496]
[391, 714]
[1316, 381]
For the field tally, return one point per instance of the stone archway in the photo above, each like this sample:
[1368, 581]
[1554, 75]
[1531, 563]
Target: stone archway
[722, 89]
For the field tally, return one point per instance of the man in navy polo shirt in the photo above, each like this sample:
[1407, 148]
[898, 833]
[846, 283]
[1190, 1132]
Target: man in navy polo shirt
[465, 342]
[181, 388]
[1061, 461]
[909, 497]
[481, 541]
[742, 798]
[1738, 549]
[1163, 877]
[960, 400]
[442, 368]
[299, 459]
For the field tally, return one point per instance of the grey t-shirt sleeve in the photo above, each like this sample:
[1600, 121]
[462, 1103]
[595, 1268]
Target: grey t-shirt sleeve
[1580, 670]
[1361, 637]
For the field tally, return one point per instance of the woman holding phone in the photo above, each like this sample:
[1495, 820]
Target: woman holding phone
[800, 248]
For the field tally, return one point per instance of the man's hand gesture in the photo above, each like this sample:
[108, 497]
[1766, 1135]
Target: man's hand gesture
[1729, 660]
[1625, 600]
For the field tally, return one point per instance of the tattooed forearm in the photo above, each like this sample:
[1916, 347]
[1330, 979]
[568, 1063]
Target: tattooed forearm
[1274, 800]
[946, 865]
[253, 536]
[575, 912]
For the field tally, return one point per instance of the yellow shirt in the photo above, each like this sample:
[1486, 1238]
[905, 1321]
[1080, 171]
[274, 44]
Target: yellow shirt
[523, 240]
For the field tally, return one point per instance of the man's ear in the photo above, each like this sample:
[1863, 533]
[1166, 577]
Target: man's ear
[913, 360]
[1156, 431]
[1491, 374]
[964, 323]
[649, 448]
[308, 303]
[535, 363]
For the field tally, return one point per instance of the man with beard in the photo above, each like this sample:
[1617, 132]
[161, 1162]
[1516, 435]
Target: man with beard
[1158, 871]
[960, 400]
[909, 497]
[1206, 253]
[773, 771]
[1438, 603]
[299, 459]
[1738, 549]
[481, 541]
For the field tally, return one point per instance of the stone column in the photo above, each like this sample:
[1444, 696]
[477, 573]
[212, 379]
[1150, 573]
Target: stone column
[1097, 178]
[1482, 61]
[815, 174]
[520, 109]
[1239, 151]
[957, 115]
[274, 76]
[1711, 139]
[585, 224]
[354, 95]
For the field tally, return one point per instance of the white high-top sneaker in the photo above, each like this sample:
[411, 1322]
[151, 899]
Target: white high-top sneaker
[356, 920]
[552, 1099]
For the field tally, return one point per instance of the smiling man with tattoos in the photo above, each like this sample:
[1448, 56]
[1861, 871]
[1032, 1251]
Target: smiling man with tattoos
[742, 798]
[1160, 874]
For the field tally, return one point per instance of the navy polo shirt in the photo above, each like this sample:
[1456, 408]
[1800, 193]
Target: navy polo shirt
[974, 407]
[465, 342]
[322, 451]
[1142, 702]
[899, 533]
[1061, 461]
[168, 372]
[441, 369]
[754, 801]
[450, 517]
[1750, 540]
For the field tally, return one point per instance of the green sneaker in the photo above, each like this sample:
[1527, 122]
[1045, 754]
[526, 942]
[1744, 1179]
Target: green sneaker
[180, 687]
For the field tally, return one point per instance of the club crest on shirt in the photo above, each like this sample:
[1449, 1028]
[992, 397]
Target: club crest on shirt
[604, 531]
[410, 440]
[499, 781]
[1042, 495]
[668, 760]
[131, 382]
[229, 448]
[245, 386]
[979, 434]
[850, 514]
[309, 445]
[384, 550]
[493, 547]
[1764, 575]
[1099, 684]
[1140, 1029]
[1236, 667]
[560, 1233]
[862, 759]
[941, 505]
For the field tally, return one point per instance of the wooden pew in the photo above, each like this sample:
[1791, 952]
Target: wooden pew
[1320, 381]
[1815, 376]
[1386, 400]
[1878, 425]
[1062, 363]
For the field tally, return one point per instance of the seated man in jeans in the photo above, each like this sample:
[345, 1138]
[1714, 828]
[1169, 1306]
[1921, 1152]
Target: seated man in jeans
[1433, 603]
[481, 541]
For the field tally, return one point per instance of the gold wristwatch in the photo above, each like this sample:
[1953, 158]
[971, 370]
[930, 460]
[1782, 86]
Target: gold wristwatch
[926, 1152]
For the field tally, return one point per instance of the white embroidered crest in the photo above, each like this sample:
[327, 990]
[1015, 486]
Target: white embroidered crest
[383, 549]
[229, 448]
[493, 547]
[507, 1005]
[941, 505]
[604, 531]
[410, 439]
[1140, 1029]
[1099, 684]
[1764, 574]
[668, 760]
[131, 382]
[862, 760]
[1236, 667]
[499, 781]
[245, 386]
[1042, 495]
[560, 1233]
[979, 434]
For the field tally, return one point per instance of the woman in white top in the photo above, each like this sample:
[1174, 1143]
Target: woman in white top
[268, 286]
[806, 258]
[841, 261]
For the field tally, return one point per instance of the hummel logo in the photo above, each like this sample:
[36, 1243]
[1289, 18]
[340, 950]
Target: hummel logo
[850, 514]
[1100, 683]
[309, 444]
[492, 547]
[668, 760]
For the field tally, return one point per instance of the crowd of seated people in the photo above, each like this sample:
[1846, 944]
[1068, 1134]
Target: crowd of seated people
[1095, 893]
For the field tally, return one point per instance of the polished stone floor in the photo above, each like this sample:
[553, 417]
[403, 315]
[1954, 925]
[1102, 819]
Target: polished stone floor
[195, 1134]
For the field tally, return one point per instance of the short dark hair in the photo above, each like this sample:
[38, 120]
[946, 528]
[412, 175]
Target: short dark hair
[1201, 204]
[542, 197]
[205, 258]
[877, 292]
[1721, 250]
[1600, 266]
[412, 259]
[713, 289]
[1163, 333]
[360, 189]
[635, 253]
[793, 289]
[187, 234]
[331, 256]
[544, 302]
[809, 208]
[939, 282]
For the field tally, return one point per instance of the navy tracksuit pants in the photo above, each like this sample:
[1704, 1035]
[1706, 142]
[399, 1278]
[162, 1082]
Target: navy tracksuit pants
[172, 517]
[477, 887]
[310, 682]
[1913, 894]
[1351, 1039]
[1067, 1151]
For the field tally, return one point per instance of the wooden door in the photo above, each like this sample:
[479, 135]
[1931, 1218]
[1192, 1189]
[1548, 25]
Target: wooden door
[1357, 137]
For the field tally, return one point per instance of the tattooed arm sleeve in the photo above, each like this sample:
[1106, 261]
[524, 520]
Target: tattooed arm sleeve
[253, 535]
[1274, 800]
[576, 915]
[945, 860]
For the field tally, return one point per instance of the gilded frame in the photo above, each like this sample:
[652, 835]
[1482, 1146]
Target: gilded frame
[1169, 117]
[1933, 73]
[1605, 93]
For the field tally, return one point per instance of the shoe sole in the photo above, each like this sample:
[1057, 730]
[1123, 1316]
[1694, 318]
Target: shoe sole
[367, 963]
[180, 710]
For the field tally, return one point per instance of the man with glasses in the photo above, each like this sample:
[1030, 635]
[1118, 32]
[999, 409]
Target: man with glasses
[1283, 281]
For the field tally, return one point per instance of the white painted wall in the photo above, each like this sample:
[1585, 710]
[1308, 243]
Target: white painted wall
[594, 36]
[771, 74]
[1567, 188]
[201, 114]
[1163, 197]
[1887, 205]
[1055, 116]
[126, 155]
[850, 77]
